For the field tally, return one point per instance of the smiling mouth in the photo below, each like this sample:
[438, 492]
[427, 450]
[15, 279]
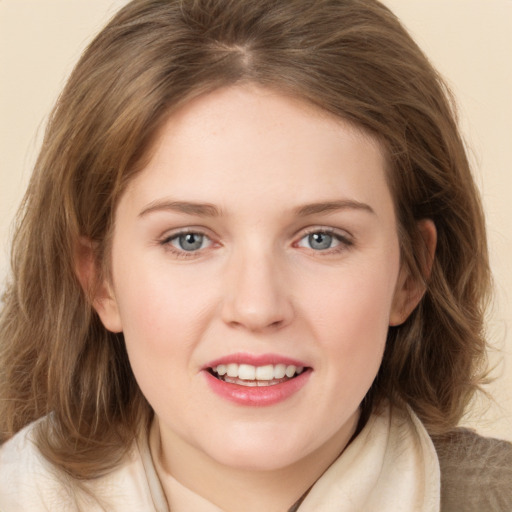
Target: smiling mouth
[252, 376]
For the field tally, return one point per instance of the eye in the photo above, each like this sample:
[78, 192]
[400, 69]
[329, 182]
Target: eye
[323, 240]
[189, 242]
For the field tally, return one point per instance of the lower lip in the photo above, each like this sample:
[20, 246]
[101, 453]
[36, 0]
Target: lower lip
[257, 395]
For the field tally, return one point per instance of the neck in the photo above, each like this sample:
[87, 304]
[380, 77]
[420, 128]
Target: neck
[237, 488]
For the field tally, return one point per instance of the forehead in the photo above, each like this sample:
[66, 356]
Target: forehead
[258, 141]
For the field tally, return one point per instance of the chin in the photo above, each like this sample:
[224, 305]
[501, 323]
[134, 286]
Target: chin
[258, 461]
[259, 453]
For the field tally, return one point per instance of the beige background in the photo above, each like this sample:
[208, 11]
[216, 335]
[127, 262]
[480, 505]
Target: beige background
[470, 41]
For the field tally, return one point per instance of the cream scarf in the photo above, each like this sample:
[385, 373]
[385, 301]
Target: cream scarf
[391, 466]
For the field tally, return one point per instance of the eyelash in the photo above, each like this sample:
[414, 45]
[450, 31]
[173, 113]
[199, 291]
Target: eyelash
[182, 253]
[344, 242]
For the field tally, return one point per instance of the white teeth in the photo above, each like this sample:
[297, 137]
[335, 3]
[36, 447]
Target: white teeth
[232, 370]
[265, 372]
[248, 372]
[279, 371]
[290, 370]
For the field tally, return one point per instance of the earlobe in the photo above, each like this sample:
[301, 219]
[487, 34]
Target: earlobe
[97, 288]
[105, 304]
[410, 288]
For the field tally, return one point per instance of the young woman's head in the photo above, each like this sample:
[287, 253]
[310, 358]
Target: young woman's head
[227, 177]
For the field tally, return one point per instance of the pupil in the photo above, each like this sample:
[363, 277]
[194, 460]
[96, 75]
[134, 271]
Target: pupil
[320, 241]
[191, 241]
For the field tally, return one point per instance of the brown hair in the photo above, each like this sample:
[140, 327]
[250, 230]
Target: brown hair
[351, 58]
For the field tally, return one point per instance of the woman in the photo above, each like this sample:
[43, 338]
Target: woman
[250, 273]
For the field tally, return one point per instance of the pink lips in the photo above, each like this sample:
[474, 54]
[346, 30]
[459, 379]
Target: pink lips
[258, 395]
[255, 360]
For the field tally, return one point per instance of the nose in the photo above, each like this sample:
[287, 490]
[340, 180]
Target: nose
[257, 297]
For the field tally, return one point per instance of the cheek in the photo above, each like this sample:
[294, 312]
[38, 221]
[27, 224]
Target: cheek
[353, 308]
[155, 297]
[351, 322]
[161, 327]
[162, 316]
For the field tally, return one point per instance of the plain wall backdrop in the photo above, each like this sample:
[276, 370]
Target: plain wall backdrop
[469, 41]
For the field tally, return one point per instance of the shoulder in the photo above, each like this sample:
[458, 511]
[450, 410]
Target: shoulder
[476, 472]
[29, 483]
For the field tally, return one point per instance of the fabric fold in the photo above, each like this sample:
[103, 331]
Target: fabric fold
[391, 466]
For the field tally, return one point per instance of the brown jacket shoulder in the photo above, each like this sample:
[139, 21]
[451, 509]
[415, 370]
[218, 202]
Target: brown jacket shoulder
[476, 472]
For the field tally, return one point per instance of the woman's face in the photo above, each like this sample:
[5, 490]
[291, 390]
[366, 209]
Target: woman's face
[255, 272]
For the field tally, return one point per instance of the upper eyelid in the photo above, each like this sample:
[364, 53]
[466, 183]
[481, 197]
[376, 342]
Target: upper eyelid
[344, 238]
[170, 234]
[342, 234]
[166, 242]
[167, 239]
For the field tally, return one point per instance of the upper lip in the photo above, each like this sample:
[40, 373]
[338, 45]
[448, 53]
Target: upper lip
[255, 360]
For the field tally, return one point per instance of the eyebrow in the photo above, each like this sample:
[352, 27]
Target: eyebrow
[209, 210]
[189, 208]
[331, 206]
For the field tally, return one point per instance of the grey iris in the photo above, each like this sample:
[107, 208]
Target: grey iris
[320, 241]
[191, 241]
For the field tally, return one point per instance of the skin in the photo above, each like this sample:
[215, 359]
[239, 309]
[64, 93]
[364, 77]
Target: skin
[256, 286]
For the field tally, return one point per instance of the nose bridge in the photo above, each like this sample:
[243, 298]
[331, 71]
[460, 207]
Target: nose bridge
[256, 294]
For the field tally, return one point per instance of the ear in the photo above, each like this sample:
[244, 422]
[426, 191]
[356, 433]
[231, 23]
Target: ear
[97, 288]
[410, 289]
